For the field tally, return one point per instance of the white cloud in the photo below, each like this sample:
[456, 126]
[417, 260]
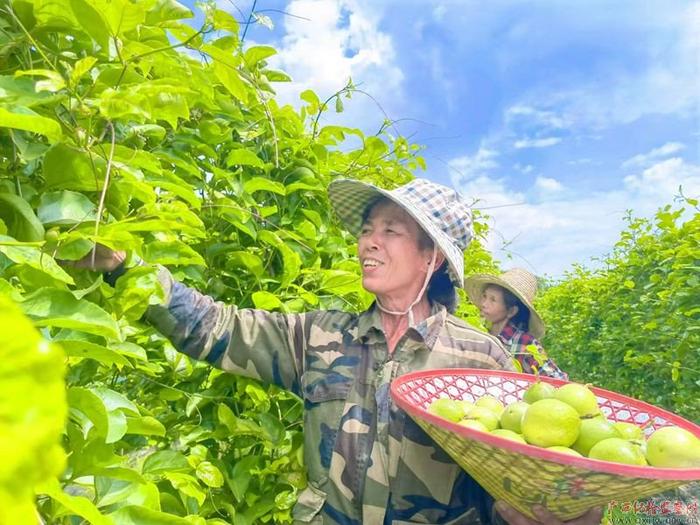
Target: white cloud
[548, 235]
[328, 42]
[665, 178]
[548, 185]
[536, 143]
[468, 166]
[667, 86]
[644, 159]
[540, 117]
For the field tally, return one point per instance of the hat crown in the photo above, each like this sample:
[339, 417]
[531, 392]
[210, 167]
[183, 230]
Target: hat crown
[522, 281]
[443, 206]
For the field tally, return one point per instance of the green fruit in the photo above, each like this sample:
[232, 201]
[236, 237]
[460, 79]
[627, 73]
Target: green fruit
[485, 416]
[628, 430]
[508, 434]
[512, 416]
[449, 409]
[565, 450]
[591, 432]
[490, 402]
[473, 423]
[617, 450]
[538, 391]
[466, 405]
[550, 422]
[579, 397]
[51, 235]
[673, 447]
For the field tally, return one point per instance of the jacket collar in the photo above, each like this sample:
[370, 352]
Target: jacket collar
[369, 325]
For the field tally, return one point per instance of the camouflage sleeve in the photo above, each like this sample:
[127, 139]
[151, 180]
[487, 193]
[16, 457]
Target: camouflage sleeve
[254, 343]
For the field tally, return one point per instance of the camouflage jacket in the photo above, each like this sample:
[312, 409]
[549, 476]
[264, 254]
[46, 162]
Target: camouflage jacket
[367, 461]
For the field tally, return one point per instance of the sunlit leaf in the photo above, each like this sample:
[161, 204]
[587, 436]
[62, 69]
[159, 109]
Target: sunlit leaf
[34, 258]
[29, 121]
[19, 218]
[244, 157]
[65, 207]
[59, 308]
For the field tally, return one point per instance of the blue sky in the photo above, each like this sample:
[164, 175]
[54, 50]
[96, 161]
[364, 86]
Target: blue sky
[555, 116]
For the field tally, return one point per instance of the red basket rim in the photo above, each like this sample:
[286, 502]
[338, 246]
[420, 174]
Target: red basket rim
[690, 474]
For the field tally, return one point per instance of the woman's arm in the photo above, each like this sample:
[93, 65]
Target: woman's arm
[254, 343]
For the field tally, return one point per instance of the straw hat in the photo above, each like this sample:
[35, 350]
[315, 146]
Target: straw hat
[519, 282]
[438, 210]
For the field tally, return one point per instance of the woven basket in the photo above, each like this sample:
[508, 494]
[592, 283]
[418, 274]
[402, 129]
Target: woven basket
[524, 475]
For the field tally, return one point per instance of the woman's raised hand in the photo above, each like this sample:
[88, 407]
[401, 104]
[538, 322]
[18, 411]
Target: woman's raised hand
[103, 260]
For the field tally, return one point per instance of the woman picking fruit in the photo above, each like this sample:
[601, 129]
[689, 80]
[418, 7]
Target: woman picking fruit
[367, 461]
[505, 301]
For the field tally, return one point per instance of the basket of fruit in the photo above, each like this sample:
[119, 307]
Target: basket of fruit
[566, 446]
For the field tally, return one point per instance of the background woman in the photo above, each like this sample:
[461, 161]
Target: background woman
[505, 302]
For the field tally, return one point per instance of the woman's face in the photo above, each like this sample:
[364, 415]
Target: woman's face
[393, 265]
[493, 306]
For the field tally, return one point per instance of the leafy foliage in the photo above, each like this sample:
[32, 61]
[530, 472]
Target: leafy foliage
[633, 325]
[110, 134]
[32, 412]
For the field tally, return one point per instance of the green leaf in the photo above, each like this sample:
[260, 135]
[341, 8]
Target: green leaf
[81, 67]
[226, 416]
[34, 258]
[138, 515]
[266, 301]
[209, 474]
[76, 505]
[273, 75]
[91, 406]
[255, 54]
[224, 21]
[136, 291]
[262, 184]
[187, 485]
[145, 426]
[121, 16]
[248, 260]
[115, 401]
[18, 216]
[19, 92]
[23, 118]
[54, 81]
[241, 475]
[171, 252]
[165, 461]
[231, 80]
[310, 97]
[65, 208]
[290, 259]
[91, 22]
[59, 308]
[69, 168]
[167, 10]
[87, 350]
[273, 428]
[244, 157]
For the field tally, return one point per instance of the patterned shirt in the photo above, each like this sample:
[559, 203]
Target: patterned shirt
[529, 353]
[367, 461]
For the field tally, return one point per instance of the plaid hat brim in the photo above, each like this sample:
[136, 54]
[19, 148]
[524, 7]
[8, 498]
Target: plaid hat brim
[350, 198]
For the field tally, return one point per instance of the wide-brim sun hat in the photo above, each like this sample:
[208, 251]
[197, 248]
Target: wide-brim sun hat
[519, 282]
[440, 211]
